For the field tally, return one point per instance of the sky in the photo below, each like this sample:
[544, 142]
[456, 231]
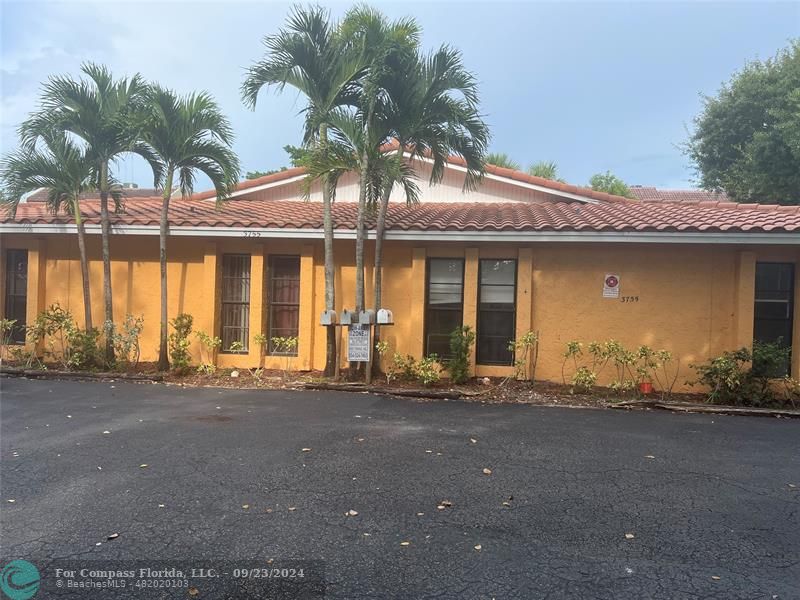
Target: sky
[593, 86]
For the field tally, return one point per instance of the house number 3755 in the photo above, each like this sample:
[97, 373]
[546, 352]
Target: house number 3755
[629, 299]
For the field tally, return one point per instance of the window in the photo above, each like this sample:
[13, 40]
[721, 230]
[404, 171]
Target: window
[497, 311]
[16, 304]
[774, 305]
[235, 302]
[444, 309]
[284, 301]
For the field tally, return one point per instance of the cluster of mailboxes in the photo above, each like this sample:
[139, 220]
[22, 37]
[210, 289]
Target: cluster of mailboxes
[384, 316]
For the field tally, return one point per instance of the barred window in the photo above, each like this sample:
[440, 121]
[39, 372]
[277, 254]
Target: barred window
[774, 306]
[284, 302]
[235, 303]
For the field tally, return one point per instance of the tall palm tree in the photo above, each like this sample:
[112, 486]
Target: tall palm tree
[186, 135]
[501, 159]
[546, 169]
[61, 167]
[433, 114]
[311, 56]
[384, 47]
[106, 114]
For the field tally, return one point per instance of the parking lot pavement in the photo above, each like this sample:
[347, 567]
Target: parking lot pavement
[451, 499]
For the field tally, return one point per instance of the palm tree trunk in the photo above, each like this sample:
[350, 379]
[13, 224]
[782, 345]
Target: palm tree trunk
[330, 290]
[87, 297]
[105, 231]
[380, 227]
[163, 359]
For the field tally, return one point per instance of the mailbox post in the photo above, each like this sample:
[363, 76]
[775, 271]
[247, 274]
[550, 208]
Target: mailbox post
[357, 324]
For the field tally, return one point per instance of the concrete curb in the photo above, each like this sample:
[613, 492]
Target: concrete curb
[77, 375]
[714, 409]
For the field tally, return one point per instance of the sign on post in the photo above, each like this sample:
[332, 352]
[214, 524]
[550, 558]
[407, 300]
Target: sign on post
[358, 343]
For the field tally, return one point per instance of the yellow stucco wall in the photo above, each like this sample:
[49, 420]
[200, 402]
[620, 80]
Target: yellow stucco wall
[693, 300]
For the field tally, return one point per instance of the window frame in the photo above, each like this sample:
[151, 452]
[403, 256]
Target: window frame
[17, 336]
[426, 315]
[478, 346]
[224, 302]
[790, 305]
[270, 303]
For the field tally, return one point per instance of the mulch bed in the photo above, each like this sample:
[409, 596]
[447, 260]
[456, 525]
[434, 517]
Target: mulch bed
[484, 390]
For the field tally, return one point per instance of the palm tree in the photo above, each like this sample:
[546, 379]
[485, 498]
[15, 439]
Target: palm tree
[546, 169]
[433, 114]
[186, 135]
[311, 56]
[63, 169]
[384, 47]
[106, 115]
[501, 159]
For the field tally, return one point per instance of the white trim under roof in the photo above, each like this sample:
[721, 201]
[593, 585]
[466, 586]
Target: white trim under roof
[639, 237]
[449, 165]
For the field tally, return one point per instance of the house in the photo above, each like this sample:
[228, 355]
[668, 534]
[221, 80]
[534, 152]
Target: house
[652, 194]
[520, 253]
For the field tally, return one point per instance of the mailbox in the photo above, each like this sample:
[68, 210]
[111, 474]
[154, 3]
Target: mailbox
[328, 317]
[347, 318]
[385, 317]
[366, 317]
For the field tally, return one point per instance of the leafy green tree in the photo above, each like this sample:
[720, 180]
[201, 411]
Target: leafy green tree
[746, 141]
[546, 169]
[61, 167]
[106, 114]
[610, 183]
[185, 135]
[501, 159]
[309, 55]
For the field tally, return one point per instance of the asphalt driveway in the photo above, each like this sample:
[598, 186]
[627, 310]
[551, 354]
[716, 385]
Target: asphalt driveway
[708, 503]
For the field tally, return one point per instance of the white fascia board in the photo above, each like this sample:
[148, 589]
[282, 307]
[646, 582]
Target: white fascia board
[258, 188]
[638, 237]
[509, 181]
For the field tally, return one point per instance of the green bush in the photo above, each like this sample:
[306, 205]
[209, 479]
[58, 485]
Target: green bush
[461, 340]
[428, 370]
[179, 341]
[126, 342]
[84, 351]
[742, 377]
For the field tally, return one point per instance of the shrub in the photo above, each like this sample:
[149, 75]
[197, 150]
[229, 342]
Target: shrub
[286, 346]
[731, 382]
[179, 341]
[461, 340]
[7, 327]
[428, 370]
[84, 349]
[209, 346]
[126, 342]
[583, 379]
[526, 355]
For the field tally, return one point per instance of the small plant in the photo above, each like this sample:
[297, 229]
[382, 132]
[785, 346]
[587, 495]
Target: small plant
[583, 380]
[84, 352]
[54, 326]
[7, 327]
[791, 391]
[382, 348]
[236, 347]
[526, 355]
[406, 365]
[428, 370]
[261, 340]
[126, 342]
[664, 374]
[573, 351]
[209, 346]
[461, 340]
[286, 346]
[179, 341]
[257, 375]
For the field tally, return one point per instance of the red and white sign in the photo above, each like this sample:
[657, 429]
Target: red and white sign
[611, 286]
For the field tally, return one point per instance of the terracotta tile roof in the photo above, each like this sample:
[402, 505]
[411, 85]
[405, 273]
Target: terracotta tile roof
[652, 194]
[511, 174]
[467, 216]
